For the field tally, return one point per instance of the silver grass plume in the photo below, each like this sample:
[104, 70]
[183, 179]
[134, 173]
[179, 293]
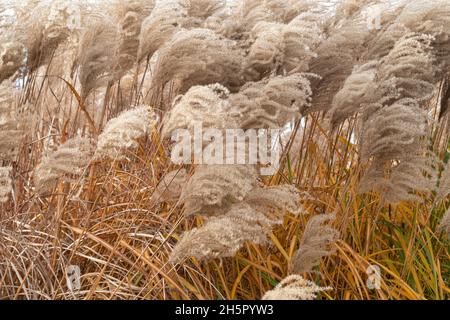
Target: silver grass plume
[170, 16]
[170, 186]
[11, 123]
[347, 38]
[206, 104]
[433, 18]
[96, 54]
[213, 189]
[399, 181]
[444, 225]
[298, 52]
[166, 18]
[392, 142]
[317, 242]
[385, 40]
[337, 55]
[430, 17]
[66, 164]
[122, 133]
[393, 131]
[354, 93]
[266, 53]
[224, 235]
[294, 287]
[200, 10]
[444, 184]
[12, 57]
[244, 16]
[216, 20]
[5, 183]
[282, 48]
[407, 71]
[271, 102]
[130, 15]
[42, 28]
[286, 10]
[275, 199]
[395, 125]
[245, 221]
[347, 8]
[198, 57]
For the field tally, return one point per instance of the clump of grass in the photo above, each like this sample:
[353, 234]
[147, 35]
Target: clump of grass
[86, 178]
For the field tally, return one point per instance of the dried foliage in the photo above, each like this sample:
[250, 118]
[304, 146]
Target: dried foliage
[361, 114]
